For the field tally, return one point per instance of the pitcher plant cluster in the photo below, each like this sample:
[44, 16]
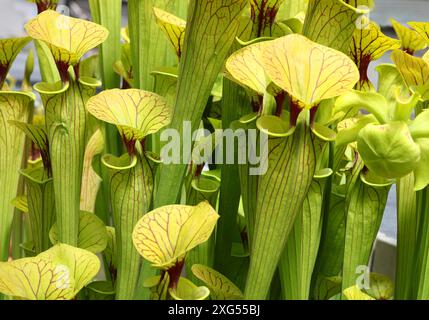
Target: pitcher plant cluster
[224, 149]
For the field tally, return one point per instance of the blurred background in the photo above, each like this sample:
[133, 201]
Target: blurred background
[15, 13]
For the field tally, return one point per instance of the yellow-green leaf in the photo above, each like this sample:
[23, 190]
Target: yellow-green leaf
[164, 235]
[422, 28]
[37, 134]
[414, 70]
[83, 265]
[68, 38]
[90, 179]
[56, 274]
[135, 112]
[9, 49]
[369, 44]
[173, 27]
[411, 40]
[245, 67]
[92, 234]
[221, 288]
[308, 71]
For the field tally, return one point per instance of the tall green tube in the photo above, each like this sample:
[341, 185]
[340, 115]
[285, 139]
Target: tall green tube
[41, 206]
[14, 106]
[131, 186]
[282, 191]
[66, 120]
[202, 189]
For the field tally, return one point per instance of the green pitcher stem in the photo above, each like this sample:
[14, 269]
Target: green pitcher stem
[365, 207]
[421, 281]
[249, 191]
[282, 190]
[330, 257]
[234, 104]
[13, 106]
[131, 183]
[41, 206]
[202, 189]
[299, 257]
[66, 120]
[407, 236]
